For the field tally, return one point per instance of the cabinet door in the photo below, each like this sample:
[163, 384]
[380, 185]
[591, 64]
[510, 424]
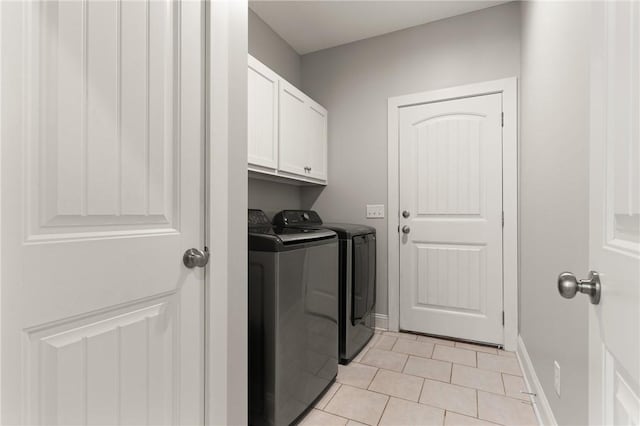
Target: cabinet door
[294, 130]
[262, 115]
[317, 145]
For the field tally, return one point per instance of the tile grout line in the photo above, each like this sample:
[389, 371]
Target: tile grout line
[450, 362]
[332, 396]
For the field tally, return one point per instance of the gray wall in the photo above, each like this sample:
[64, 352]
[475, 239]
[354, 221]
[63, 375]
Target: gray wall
[273, 51]
[270, 49]
[273, 196]
[554, 197]
[354, 81]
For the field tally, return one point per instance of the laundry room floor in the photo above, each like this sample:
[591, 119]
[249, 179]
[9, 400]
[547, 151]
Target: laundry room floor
[407, 379]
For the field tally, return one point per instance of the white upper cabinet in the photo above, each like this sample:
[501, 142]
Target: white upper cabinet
[303, 134]
[287, 130]
[294, 130]
[262, 110]
[317, 154]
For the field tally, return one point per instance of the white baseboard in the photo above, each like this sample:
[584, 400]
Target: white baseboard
[381, 321]
[540, 402]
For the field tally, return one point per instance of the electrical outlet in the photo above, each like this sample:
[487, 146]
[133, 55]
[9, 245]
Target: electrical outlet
[375, 211]
[556, 377]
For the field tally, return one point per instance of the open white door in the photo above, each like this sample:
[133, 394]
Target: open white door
[102, 193]
[614, 324]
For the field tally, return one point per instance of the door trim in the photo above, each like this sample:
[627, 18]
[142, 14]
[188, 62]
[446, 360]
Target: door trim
[508, 87]
[226, 297]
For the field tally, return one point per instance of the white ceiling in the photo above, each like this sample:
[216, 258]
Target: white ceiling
[311, 25]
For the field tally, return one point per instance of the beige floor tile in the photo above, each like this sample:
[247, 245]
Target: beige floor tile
[355, 374]
[354, 423]
[407, 336]
[357, 404]
[361, 354]
[513, 385]
[455, 355]
[397, 384]
[435, 340]
[477, 348]
[384, 359]
[454, 419]
[449, 397]
[327, 396]
[320, 418]
[490, 381]
[428, 368]
[411, 347]
[499, 363]
[385, 342]
[505, 410]
[508, 354]
[405, 413]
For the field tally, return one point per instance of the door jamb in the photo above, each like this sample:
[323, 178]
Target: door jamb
[508, 87]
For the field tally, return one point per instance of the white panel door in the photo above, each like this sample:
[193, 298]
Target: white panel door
[102, 189]
[262, 118]
[614, 324]
[451, 240]
[294, 130]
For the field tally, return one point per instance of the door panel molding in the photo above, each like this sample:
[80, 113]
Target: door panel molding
[508, 88]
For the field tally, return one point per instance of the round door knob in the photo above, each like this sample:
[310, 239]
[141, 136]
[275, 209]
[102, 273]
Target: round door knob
[196, 258]
[406, 229]
[406, 214]
[569, 286]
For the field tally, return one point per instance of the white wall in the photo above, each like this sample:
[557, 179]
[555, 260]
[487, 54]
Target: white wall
[554, 197]
[354, 81]
[270, 49]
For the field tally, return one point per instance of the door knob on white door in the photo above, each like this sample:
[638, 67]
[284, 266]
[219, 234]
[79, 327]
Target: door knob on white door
[406, 229]
[406, 214]
[196, 258]
[569, 286]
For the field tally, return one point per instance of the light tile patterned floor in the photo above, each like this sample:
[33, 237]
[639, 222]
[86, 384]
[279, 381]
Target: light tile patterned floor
[403, 379]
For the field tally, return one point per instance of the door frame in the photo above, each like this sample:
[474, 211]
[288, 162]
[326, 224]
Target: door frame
[226, 291]
[508, 87]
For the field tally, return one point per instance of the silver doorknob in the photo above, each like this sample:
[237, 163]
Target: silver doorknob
[406, 229]
[569, 286]
[406, 214]
[196, 258]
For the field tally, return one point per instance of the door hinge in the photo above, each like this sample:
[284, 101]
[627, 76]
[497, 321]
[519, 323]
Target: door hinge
[503, 219]
[502, 120]
[503, 318]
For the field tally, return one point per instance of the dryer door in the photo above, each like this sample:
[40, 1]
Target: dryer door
[364, 277]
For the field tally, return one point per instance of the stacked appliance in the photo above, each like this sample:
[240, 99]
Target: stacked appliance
[357, 277]
[293, 319]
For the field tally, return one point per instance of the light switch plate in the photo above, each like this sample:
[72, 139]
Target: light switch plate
[375, 211]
